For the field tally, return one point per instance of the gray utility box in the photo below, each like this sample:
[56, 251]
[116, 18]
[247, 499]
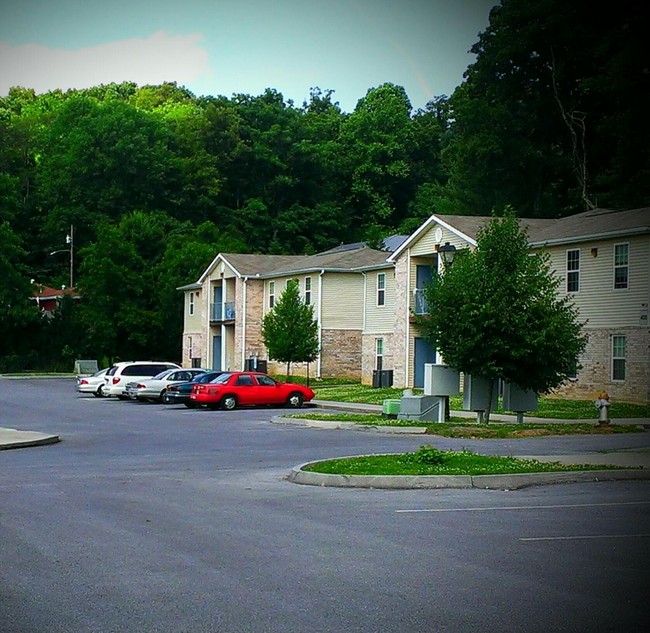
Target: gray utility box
[476, 393]
[86, 367]
[517, 399]
[440, 380]
[421, 408]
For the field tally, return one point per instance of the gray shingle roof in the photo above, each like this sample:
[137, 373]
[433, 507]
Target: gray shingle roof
[594, 223]
[276, 265]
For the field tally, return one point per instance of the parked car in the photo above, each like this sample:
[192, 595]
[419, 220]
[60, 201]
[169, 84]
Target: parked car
[246, 388]
[92, 384]
[131, 371]
[179, 393]
[154, 389]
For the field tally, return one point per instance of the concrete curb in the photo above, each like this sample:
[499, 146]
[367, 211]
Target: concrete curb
[492, 482]
[11, 438]
[349, 426]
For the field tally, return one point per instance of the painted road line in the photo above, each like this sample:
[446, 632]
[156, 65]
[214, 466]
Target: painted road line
[547, 507]
[586, 537]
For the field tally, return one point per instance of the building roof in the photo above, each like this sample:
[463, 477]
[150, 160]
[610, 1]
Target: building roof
[593, 224]
[349, 260]
[46, 292]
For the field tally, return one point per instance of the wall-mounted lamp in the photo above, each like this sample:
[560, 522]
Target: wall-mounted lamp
[594, 252]
[447, 251]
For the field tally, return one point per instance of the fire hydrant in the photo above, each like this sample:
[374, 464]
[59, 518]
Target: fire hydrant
[603, 403]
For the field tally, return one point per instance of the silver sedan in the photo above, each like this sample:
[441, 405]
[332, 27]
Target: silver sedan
[153, 389]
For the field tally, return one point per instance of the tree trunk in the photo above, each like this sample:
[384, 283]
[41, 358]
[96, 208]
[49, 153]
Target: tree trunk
[288, 371]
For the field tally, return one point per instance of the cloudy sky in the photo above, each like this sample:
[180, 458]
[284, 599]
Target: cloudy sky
[222, 47]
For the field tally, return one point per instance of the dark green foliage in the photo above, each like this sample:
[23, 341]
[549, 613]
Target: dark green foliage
[496, 313]
[289, 330]
[551, 119]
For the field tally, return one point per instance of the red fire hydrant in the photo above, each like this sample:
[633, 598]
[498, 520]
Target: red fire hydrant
[603, 404]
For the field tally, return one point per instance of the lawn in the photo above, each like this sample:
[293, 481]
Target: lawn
[462, 427]
[431, 461]
[548, 407]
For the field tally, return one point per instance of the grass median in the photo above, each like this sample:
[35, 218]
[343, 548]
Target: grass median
[548, 407]
[431, 461]
[464, 428]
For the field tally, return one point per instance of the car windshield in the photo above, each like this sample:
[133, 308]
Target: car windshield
[221, 379]
[206, 377]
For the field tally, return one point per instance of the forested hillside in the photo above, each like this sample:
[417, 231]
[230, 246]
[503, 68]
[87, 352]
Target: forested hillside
[551, 119]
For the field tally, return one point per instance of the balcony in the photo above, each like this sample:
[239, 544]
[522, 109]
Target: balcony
[222, 312]
[419, 305]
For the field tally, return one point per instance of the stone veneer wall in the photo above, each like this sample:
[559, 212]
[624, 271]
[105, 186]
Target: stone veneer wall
[341, 353]
[368, 350]
[595, 375]
[402, 293]
[254, 311]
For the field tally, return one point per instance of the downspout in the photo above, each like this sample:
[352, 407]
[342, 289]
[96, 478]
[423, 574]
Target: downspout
[365, 301]
[320, 323]
[407, 320]
[208, 341]
[243, 323]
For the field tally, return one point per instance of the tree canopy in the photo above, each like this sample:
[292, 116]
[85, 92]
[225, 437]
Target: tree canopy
[551, 118]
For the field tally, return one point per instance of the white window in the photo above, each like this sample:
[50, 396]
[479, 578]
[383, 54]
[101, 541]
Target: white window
[573, 270]
[621, 265]
[191, 306]
[271, 294]
[381, 289]
[307, 290]
[379, 354]
[619, 352]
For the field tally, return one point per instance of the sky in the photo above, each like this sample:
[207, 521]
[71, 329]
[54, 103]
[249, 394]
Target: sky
[226, 47]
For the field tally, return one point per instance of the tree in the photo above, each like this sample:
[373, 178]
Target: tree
[289, 330]
[495, 313]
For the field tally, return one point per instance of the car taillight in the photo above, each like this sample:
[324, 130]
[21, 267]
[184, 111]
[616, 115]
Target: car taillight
[116, 380]
[140, 386]
[83, 381]
[172, 388]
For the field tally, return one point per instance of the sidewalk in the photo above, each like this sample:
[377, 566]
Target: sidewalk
[12, 438]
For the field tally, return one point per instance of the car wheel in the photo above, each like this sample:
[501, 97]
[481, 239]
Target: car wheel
[165, 398]
[99, 393]
[295, 400]
[229, 402]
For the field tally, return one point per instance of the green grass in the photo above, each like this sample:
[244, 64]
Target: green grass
[548, 407]
[447, 463]
[465, 428]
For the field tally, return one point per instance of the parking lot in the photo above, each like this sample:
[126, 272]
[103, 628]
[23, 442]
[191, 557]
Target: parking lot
[160, 518]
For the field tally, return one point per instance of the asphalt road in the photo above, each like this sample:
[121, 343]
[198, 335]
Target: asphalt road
[150, 518]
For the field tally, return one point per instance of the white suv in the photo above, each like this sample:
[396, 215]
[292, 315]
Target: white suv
[128, 371]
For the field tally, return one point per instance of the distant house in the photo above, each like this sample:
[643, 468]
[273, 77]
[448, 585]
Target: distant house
[47, 299]
[224, 308]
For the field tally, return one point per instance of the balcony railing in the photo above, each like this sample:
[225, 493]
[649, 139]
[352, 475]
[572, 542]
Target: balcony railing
[420, 305]
[222, 311]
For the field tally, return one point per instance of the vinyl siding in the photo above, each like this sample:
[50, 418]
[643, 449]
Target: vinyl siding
[426, 245]
[281, 284]
[342, 301]
[380, 319]
[597, 300]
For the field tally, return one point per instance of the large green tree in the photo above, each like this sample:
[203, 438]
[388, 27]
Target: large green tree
[496, 312]
[289, 330]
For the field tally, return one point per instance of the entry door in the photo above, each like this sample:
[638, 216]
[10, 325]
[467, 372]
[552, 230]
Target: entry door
[423, 278]
[424, 353]
[218, 303]
[216, 352]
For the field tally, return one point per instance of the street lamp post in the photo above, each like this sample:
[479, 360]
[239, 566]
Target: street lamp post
[69, 239]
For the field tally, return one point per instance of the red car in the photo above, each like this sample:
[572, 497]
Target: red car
[247, 388]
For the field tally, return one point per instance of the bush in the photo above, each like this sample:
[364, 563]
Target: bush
[427, 454]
